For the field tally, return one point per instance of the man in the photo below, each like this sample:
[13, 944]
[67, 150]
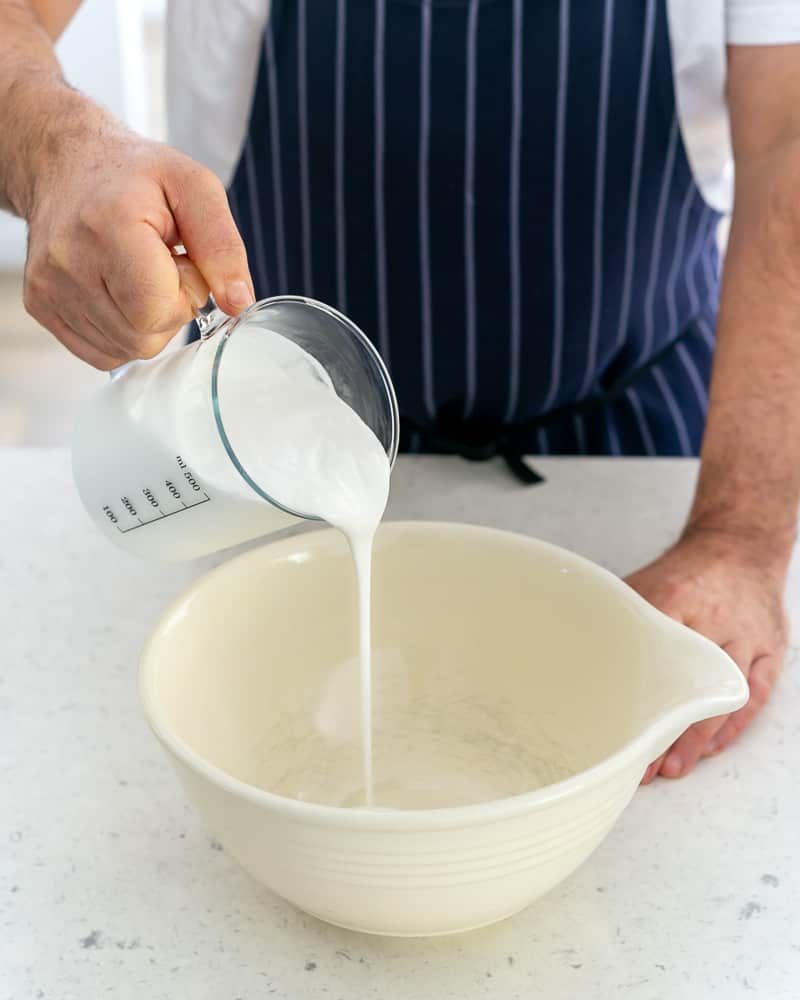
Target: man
[517, 200]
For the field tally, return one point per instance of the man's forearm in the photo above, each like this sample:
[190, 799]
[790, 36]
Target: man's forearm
[38, 109]
[749, 485]
[750, 474]
[28, 70]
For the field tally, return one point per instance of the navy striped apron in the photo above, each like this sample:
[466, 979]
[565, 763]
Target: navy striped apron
[497, 193]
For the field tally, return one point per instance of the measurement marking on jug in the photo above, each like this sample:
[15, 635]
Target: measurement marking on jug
[152, 500]
[161, 517]
[173, 489]
[187, 475]
[131, 509]
[198, 496]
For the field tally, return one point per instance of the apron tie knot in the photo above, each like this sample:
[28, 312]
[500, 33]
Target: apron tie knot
[476, 441]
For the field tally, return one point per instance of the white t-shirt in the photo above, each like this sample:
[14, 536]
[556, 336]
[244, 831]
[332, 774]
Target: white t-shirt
[213, 50]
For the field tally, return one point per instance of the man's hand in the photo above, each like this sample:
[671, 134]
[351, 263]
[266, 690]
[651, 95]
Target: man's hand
[720, 586]
[104, 208]
[103, 218]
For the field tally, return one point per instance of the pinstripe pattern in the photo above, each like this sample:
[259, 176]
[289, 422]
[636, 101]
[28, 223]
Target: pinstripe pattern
[641, 421]
[711, 276]
[674, 410]
[599, 197]
[694, 376]
[275, 143]
[678, 257]
[636, 175]
[251, 186]
[339, 126]
[692, 260]
[469, 209]
[514, 209]
[558, 208]
[706, 332]
[424, 232]
[302, 120]
[658, 236]
[688, 273]
[380, 212]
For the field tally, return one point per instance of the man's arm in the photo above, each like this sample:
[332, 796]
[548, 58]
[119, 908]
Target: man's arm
[29, 76]
[55, 15]
[750, 473]
[725, 577]
[104, 208]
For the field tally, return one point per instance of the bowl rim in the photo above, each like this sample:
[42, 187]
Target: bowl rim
[631, 753]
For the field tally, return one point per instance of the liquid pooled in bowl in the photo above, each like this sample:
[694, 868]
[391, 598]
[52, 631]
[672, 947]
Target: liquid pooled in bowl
[430, 752]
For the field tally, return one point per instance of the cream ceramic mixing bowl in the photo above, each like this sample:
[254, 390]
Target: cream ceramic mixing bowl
[520, 693]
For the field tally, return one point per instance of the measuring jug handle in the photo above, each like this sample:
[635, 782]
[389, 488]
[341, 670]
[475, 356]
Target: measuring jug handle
[209, 318]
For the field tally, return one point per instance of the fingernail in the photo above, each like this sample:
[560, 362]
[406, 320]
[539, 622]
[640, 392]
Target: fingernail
[238, 294]
[673, 765]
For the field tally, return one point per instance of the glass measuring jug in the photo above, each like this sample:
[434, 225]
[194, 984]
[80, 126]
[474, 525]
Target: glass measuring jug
[162, 455]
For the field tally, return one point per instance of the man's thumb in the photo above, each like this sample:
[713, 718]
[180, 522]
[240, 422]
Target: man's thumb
[206, 229]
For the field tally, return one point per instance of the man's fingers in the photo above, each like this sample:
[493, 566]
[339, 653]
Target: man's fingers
[192, 282]
[731, 729]
[92, 316]
[200, 207]
[80, 336]
[742, 653]
[763, 675]
[79, 346]
[105, 316]
[653, 770]
[689, 748]
[159, 301]
[694, 744]
[151, 302]
[144, 283]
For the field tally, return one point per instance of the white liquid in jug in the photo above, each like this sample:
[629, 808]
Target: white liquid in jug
[149, 462]
[315, 455]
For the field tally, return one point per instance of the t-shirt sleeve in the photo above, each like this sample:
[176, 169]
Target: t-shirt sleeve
[762, 22]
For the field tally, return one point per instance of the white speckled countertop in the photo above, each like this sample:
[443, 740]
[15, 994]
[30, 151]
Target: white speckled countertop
[110, 887]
